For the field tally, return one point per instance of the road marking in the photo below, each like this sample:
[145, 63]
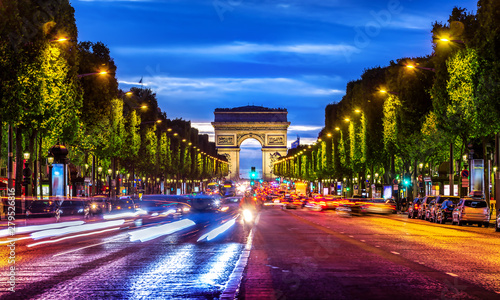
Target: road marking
[351, 236]
[363, 241]
[452, 274]
[394, 252]
[62, 253]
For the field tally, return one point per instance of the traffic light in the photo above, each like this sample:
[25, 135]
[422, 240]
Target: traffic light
[253, 173]
[406, 180]
[253, 176]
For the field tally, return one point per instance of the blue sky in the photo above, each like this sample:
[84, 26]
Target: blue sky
[297, 54]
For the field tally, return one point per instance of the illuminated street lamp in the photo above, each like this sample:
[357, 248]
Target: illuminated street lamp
[388, 92]
[409, 66]
[95, 73]
[26, 173]
[110, 180]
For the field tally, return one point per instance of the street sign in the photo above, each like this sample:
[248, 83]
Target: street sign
[465, 173]
[420, 178]
[394, 181]
[395, 187]
[427, 179]
[465, 182]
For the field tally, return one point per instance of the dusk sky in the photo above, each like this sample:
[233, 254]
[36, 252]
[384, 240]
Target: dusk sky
[299, 55]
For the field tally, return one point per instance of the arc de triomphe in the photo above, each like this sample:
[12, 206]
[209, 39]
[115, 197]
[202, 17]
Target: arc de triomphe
[266, 125]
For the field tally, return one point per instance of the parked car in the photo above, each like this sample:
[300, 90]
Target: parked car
[497, 222]
[445, 212]
[423, 206]
[436, 204]
[470, 211]
[413, 208]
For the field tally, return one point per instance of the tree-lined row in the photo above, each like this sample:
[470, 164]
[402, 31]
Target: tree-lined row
[52, 92]
[409, 113]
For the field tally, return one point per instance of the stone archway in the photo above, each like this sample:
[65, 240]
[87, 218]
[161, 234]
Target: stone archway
[267, 125]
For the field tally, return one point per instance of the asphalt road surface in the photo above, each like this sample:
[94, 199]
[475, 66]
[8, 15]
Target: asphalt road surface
[289, 254]
[299, 254]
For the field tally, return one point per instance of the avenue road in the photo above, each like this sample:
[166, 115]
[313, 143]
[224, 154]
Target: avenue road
[295, 254]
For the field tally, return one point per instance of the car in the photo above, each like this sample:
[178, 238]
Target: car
[40, 208]
[497, 222]
[320, 203]
[72, 208]
[390, 202]
[379, 206]
[99, 204]
[413, 208]
[470, 211]
[436, 204]
[445, 212]
[352, 207]
[123, 205]
[423, 206]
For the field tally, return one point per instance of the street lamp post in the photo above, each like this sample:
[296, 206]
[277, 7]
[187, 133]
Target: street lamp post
[27, 174]
[50, 160]
[109, 182]
[99, 171]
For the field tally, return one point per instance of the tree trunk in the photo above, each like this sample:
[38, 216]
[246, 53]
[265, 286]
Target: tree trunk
[19, 162]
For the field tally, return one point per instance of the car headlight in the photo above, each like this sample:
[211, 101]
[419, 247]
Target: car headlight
[247, 215]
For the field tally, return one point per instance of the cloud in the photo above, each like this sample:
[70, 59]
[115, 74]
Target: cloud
[240, 48]
[203, 88]
[295, 128]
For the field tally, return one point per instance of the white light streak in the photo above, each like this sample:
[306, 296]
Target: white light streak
[26, 229]
[217, 231]
[75, 229]
[154, 232]
[71, 237]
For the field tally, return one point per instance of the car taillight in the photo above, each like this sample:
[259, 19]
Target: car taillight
[416, 205]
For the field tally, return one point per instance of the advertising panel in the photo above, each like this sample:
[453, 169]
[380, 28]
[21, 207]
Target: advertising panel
[58, 179]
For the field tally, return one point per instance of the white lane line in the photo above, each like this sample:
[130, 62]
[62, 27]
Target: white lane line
[71, 251]
[363, 241]
[377, 246]
[351, 236]
[394, 252]
[452, 274]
